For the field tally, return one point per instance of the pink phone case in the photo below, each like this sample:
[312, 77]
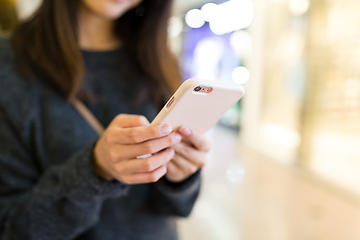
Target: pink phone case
[199, 110]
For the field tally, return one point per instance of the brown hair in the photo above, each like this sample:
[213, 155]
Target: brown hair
[47, 44]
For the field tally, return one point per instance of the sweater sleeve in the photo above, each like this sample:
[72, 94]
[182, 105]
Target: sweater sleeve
[59, 203]
[176, 198]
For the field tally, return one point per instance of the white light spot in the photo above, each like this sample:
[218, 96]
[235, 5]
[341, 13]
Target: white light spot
[207, 56]
[194, 19]
[241, 75]
[209, 11]
[281, 135]
[241, 42]
[175, 27]
[299, 7]
[235, 173]
[232, 16]
[25, 8]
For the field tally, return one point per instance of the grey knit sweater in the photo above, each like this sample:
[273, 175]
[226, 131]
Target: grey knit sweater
[48, 188]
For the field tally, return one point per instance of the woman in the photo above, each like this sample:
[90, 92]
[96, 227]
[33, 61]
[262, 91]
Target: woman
[58, 179]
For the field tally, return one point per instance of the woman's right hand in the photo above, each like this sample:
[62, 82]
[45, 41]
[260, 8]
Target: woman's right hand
[126, 138]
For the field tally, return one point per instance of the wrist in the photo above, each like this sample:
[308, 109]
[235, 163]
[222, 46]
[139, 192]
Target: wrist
[99, 170]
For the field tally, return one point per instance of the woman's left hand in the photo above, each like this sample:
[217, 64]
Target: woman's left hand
[190, 155]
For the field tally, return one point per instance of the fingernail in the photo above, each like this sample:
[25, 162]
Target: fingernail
[178, 137]
[186, 131]
[166, 129]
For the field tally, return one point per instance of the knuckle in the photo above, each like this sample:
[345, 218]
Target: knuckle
[153, 177]
[126, 180]
[109, 138]
[207, 147]
[202, 145]
[170, 155]
[119, 117]
[144, 119]
[163, 171]
[171, 140]
[113, 155]
[133, 135]
[177, 176]
[141, 120]
[192, 169]
[149, 147]
[184, 151]
[148, 165]
[202, 163]
[119, 168]
[155, 131]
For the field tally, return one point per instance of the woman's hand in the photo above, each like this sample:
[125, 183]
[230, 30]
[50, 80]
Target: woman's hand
[126, 138]
[190, 155]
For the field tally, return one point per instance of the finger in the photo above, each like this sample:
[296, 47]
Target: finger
[173, 168]
[144, 165]
[190, 154]
[198, 140]
[137, 134]
[129, 120]
[149, 177]
[124, 152]
[185, 165]
[174, 173]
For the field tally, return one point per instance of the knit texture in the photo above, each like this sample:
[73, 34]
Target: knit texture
[48, 187]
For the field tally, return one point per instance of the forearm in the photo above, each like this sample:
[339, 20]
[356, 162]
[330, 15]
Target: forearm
[65, 201]
[176, 198]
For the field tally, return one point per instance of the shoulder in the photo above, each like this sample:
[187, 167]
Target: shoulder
[17, 94]
[9, 70]
[4, 39]
[7, 54]
[10, 73]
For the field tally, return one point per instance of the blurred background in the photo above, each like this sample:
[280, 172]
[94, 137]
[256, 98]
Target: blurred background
[285, 163]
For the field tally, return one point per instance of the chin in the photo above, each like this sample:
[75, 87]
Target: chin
[116, 8]
[113, 14]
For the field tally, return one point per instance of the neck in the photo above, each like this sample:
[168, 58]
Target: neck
[95, 32]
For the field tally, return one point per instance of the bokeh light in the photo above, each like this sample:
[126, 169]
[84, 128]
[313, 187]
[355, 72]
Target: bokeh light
[175, 26]
[231, 16]
[299, 7]
[193, 18]
[235, 173]
[241, 75]
[241, 42]
[208, 11]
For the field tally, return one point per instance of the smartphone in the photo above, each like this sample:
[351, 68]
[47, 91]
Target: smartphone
[199, 104]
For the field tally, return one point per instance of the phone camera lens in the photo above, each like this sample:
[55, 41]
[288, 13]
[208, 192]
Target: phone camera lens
[197, 89]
